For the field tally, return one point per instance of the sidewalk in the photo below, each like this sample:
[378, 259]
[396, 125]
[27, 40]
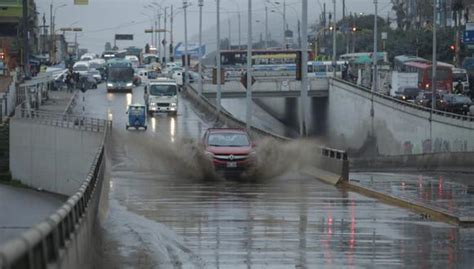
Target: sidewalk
[57, 102]
[449, 195]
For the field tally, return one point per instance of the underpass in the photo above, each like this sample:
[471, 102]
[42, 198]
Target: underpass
[158, 209]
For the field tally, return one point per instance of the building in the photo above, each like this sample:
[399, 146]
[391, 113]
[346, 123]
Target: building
[11, 13]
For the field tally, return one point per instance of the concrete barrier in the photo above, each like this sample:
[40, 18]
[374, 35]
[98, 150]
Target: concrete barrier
[445, 161]
[64, 239]
[330, 165]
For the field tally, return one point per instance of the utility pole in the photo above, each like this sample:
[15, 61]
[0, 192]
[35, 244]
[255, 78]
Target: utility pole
[346, 25]
[266, 27]
[156, 35]
[299, 33]
[240, 31]
[218, 58]
[164, 39]
[375, 58]
[249, 67]
[186, 62]
[158, 44]
[433, 71]
[26, 53]
[334, 30]
[304, 67]
[51, 32]
[76, 45]
[201, 4]
[171, 36]
[284, 24]
[228, 24]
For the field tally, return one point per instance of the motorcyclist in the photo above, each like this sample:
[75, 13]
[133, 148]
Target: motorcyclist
[458, 89]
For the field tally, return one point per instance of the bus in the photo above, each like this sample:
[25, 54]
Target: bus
[325, 68]
[444, 75]
[400, 60]
[119, 75]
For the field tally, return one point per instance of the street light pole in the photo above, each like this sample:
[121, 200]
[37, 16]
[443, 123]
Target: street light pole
[171, 36]
[201, 4]
[375, 58]
[164, 39]
[334, 47]
[26, 53]
[218, 58]
[284, 24]
[186, 63]
[249, 68]
[240, 31]
[266, 27]
[304, 67]
[433, 71]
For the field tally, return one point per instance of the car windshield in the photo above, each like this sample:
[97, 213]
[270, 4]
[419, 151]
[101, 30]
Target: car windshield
[461, 99]
[410, 91]
[163, 90]
[228, 140]
[459, 77]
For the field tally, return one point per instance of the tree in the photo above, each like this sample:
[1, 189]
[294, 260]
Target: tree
[399, 7]
[108, 46]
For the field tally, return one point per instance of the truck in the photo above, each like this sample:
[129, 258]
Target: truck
[119, 75]
[161, 95]
[403, 79]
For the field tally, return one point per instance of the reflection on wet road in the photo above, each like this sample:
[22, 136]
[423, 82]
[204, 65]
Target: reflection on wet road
[163, 214]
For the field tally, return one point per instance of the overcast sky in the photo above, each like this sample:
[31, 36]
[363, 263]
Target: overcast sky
[101, 19]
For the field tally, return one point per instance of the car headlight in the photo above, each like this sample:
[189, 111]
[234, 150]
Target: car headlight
[110, 85]
[209, 155]
[129, 84]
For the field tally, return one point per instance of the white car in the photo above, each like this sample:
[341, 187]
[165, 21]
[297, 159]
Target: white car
[81, 67]
[96, 75]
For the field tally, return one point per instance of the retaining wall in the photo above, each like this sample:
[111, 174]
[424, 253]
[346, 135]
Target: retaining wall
[396, 127]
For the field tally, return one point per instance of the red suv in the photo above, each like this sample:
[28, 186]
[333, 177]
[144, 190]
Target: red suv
[230, 150]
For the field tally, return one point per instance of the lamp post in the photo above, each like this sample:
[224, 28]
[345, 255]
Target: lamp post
[249, 68]
[53, 30]
[334, 47]
[433, 71]
[218, 59]
[186, 62]
[375, 58]
[200, 4]
[304, 68]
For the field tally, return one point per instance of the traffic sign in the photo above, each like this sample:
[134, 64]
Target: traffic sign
[468, 37]
[123, 37]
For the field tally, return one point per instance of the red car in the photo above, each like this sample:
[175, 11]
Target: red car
[230, 150]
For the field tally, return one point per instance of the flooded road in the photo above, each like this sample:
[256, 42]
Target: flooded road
[159, 211]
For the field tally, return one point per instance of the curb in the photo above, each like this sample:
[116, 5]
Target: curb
[426, 211]
[71, 104]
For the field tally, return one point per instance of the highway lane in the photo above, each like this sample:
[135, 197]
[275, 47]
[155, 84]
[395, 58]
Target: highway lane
[161, 211]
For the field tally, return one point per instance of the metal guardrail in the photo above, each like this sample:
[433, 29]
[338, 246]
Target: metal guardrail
[43, 245]
[421, 108]
[63, 120]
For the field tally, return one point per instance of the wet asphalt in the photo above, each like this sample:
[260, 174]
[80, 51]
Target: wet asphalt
[160, 209]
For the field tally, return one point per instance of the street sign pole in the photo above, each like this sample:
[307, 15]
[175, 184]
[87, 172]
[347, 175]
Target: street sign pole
[249, 68]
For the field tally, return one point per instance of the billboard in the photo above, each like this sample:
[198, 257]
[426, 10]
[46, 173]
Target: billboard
[81, 2]
[193, 50]
[123, 37]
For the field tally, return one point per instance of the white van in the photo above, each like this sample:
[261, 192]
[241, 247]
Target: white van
[161, 95]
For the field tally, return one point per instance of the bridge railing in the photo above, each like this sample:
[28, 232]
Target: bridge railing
[63, 120]
[44, 245]
[414, 106]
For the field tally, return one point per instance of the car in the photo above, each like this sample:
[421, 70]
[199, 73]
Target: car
[424, 98]
[96, 75]
[457, 103]
[230, 150]
[407, 94]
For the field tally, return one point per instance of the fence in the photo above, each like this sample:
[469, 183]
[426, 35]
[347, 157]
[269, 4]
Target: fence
[34, 91]
[63, 120]
[52, 241]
